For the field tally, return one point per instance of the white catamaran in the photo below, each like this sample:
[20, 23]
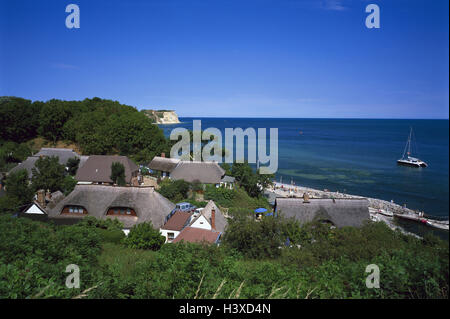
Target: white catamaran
[407, 159]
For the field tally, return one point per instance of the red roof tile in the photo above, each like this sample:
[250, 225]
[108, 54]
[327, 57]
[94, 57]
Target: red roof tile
[192, 235]
[177, 221]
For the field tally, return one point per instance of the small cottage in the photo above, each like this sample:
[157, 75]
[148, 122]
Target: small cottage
[129, 205]
[97, 170]
[190, 171]
[339, 212]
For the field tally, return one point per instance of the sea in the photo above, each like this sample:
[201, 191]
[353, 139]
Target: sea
[356, 156]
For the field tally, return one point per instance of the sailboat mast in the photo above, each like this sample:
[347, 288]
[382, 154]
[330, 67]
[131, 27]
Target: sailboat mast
[409, 142]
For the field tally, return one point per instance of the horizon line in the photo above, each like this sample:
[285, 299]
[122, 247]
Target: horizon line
[318, 118]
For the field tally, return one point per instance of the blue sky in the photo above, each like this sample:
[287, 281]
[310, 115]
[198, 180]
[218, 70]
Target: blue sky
[233, 58]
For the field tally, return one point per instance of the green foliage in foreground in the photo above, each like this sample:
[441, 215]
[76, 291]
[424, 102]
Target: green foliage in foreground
[34, 257]
[144, 236]
[330, 263]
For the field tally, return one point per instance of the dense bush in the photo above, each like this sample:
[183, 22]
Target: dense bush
[109, 230]
[144, 236]
[320, 263]
[408, 269]
[34, 257]
[237, 198]
[261, 239]
[175, 191]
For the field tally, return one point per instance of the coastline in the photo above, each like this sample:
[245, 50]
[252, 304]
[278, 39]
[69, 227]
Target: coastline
[375, 204]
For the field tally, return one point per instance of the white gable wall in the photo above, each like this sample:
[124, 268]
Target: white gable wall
[34, 210]
[202, 223]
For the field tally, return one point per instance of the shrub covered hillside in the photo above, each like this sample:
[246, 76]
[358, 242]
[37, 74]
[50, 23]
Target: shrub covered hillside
[96, 126]
[254, 260]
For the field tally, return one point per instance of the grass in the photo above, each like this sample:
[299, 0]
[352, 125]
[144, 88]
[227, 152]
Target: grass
[125, 259]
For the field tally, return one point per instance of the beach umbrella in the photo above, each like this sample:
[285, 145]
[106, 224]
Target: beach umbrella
[260, 210]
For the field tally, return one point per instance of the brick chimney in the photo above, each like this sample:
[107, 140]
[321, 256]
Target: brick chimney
[41, 197]
[213, 219]
[163, 154]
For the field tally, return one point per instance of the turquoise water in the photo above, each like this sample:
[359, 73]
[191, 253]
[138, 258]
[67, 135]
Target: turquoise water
[357, 156]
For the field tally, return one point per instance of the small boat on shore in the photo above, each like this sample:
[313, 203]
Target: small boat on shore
[386, 213]
[425, 221]
[381, 212]
[407, 159]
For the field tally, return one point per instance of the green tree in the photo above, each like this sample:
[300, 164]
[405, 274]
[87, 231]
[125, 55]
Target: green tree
[255, 239]
[18, 120]
[174, 190]
[54, 114]
[253, 182]
[118, 174]
[68, 184]
[144, 236]
[72, 165]
[18, 192]
[48, 174]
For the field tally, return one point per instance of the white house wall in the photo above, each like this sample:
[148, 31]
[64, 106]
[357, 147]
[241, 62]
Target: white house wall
[165, 232]
[202, 223]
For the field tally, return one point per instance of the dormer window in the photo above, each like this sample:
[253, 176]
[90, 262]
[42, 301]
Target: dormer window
[121, 211]
[74, 209]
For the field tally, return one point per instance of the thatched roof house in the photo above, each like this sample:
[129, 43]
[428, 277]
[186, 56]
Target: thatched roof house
[190, 171]
[203, 172]
[97, 169]
[130, 205]
[163, 164]
[341, 212]
[63, 155]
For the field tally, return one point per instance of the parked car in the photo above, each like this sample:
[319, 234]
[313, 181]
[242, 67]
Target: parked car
[181, 207]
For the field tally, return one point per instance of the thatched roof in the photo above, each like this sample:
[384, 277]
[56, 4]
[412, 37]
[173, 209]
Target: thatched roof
[97, 168]
[341, 212]
[54, 199]
[221, 221]
[203, 172]
[163, 164]
[63, 155]
[148, 204]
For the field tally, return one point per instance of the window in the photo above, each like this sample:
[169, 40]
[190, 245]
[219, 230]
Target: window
[73, 210]
[121, 211]
[170, 236]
